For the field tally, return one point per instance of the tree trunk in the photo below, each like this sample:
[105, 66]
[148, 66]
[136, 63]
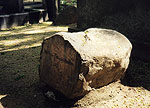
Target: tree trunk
[52, 8]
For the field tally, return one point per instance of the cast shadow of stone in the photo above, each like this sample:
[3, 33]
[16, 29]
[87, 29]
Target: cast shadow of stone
[55, 99]
[138, 74]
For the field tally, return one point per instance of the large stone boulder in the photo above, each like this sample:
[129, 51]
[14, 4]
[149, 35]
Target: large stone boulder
[115, 95]
[76, 63]
[130, 17]
[67, 16]
[91, 13]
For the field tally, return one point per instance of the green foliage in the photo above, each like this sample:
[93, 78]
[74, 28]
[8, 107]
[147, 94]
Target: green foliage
[69, 2]
[65, 3]
[21, 76]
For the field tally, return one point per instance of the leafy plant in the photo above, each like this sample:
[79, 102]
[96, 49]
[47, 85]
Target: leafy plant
[19, 77]
[69, 2]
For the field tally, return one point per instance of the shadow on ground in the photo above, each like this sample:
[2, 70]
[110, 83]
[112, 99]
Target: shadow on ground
[20, 48]
[19, 79]
[138, 74]
[20, 86]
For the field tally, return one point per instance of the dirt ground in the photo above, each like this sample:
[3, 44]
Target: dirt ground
[19, 63]
[20, 86]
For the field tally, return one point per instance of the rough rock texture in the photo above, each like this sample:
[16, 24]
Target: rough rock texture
[129, 17]
[67, 16]
[76, 63]
[115, 95]
[94, 12]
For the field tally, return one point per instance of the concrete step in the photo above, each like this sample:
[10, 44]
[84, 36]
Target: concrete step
[33, 6]
[17, 19]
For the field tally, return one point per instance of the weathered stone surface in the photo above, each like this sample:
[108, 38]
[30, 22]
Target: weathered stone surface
[12, 20]
[75, 63]
[115, 95]
[67, 16]
[91, 13]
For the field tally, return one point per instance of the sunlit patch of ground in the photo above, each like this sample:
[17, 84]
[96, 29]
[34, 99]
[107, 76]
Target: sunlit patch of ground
[19, 64]
[27, 36]
[116, 95]
[2, 96]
